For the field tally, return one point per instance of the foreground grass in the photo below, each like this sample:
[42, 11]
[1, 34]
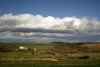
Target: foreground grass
[42, 63]
[25, 59]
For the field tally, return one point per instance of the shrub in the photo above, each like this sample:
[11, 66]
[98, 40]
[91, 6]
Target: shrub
[7, 48]
[84, 57]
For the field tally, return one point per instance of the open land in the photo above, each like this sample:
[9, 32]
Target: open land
[50, 55]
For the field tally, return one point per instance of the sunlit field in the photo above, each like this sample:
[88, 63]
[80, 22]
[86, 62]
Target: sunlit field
[51, 55]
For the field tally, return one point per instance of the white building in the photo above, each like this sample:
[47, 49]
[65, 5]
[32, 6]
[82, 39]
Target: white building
[23, 48]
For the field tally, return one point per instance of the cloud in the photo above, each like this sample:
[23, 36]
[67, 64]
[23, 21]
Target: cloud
[29, 27]
[30, 21]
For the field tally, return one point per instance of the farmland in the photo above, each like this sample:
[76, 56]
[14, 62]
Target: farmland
[59, 55]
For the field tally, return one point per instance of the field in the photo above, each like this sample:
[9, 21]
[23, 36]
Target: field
[52, 55]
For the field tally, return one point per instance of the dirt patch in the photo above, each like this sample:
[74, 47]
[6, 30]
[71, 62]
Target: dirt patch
[7, 59]
[93, 45]
[50, 59]
[74, 55]
[21, 59]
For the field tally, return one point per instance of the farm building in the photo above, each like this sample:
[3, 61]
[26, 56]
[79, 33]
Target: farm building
[23, 48]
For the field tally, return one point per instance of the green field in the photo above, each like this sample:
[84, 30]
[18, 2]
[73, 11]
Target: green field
[64, 55]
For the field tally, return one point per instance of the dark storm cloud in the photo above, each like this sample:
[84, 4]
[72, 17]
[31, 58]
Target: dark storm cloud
[25, 30]
[74, 32]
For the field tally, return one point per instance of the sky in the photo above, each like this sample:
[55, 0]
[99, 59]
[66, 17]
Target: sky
[49, 20]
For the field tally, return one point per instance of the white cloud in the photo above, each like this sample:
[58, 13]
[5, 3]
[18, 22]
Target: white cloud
[38, 21]
[27, 25]
[30, 21]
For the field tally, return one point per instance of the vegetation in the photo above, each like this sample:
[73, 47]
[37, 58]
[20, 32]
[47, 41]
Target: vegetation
[7, 47]
[51, 55]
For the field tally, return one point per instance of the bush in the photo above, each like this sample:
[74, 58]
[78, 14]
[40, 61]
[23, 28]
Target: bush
[84, 57]
[7, 48]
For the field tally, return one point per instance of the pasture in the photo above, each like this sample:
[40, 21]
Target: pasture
[60, 55]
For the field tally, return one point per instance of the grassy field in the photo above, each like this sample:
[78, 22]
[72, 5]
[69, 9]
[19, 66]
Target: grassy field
[62, 55]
